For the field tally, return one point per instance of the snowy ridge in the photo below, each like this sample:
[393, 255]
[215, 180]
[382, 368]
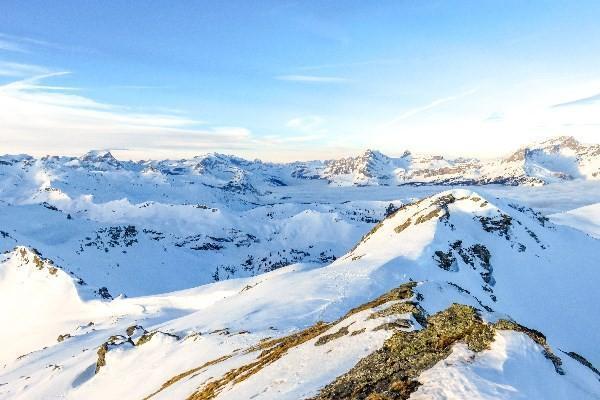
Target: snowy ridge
[189, 222]
[557, 159]
[586, 219]
[44, 298]
[308, 331]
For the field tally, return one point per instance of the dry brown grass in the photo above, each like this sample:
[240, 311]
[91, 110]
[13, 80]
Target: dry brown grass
[403, 226]
[187, 373]
[272, 350]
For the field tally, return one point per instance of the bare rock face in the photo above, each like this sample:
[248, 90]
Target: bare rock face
[135, 335]
[392, 371]
[116, 341]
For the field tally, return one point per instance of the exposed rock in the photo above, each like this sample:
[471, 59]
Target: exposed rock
[500, 224]
[332, 336]
[445, 261]
[103, 293]
[582, 360]
[62, 338]
[392, 371]
[146, 337]
[111, 343]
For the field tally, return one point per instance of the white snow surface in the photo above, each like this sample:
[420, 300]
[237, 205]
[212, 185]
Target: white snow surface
[514, 368]
[586, 219]
[215, 254]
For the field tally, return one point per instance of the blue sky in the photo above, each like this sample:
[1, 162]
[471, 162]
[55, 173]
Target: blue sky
[287, 80]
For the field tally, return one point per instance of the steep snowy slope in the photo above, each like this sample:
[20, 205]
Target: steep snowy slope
[40, 301]
[379, 321]
[586, 219]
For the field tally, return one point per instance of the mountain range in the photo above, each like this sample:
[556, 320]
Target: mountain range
[369, 277]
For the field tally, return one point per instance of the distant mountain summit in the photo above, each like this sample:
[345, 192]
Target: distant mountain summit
[561, 158]
[99, 159]
[371, 167]
[558, 159]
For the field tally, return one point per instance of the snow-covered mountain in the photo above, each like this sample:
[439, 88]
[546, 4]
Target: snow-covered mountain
[136, 232]
[368, 277]
[557, 159]
[189, 222]
[452, 296]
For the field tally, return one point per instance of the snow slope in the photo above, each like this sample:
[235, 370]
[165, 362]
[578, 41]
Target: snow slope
[178, 229]
[505, 260]
[586, 219]
[511, 368]
[219, 277]
[186, 223]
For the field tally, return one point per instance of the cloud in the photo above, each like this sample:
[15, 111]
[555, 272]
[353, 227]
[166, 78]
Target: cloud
[39, 119]
[308, 123]
[20, 70]
[11, 46]
[491, 122]
[435, 103]
[22, 44]
[139, 87]
[494, 117]
[379, 61]
[579, 102]
[311, 79]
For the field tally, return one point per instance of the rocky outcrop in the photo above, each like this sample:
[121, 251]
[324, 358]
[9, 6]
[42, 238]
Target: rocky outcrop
[135, 336]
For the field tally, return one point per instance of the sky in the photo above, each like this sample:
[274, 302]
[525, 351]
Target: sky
[295, 80]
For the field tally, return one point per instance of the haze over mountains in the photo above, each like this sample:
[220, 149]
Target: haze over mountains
[369, 277]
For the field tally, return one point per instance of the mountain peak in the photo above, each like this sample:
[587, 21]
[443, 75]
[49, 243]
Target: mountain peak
[98, 155]
[100, 159]
[562, 141]
[370, 153]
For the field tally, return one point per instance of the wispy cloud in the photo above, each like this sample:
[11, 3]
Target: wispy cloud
[305, 124]
[39, 119]
[435, 103]
[23, 44]
[8, 45]
[379, 61]
[139, 87]
[21, 70]
[311, 79]
[494, 117]
[579, 102]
